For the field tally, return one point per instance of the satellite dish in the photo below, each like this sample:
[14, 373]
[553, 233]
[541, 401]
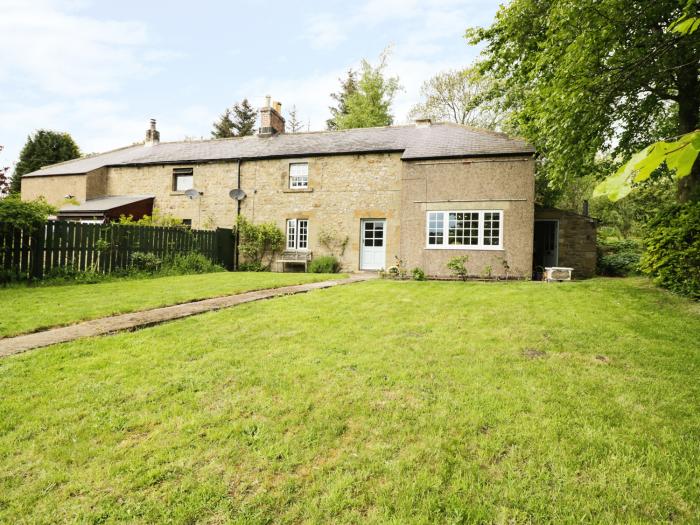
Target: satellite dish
[192, 193]
[237, 194]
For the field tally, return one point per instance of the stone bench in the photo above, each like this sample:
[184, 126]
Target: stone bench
[557, 273]
[294, 257]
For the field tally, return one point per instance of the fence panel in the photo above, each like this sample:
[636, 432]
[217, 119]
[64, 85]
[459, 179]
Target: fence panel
[102, 248]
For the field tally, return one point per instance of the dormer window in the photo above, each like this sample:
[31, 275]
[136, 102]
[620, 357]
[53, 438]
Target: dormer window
[299, 175]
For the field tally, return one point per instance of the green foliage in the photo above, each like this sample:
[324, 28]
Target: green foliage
[347, 88]
[145, 262]
[418, 274]
[618, 258]
[27, 215]
[258, 243]
[672, 256]
[244, 118]
[223, 128]
[156, 219]
[370, 103]
[189, 263]
[334, 242]
[679, 156]
[42, 148]
[458, 266]
[589, 77]
[324, 264]
[459, 96]
[293, 124]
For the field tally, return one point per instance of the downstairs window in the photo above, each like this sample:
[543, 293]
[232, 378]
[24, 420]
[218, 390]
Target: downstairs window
[475, 230]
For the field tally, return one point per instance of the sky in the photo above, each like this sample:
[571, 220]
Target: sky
[101, 69]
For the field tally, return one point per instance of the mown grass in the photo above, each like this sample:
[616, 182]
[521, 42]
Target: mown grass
[28, 309]
[379, 402]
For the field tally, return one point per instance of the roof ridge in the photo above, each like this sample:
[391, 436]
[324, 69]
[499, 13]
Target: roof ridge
[89, 156]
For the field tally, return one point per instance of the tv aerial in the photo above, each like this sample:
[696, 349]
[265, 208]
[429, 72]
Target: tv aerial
[237, 194]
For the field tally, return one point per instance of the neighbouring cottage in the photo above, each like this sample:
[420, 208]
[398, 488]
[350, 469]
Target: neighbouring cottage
[423, 193]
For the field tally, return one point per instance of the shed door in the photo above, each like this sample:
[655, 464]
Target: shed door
[546, 243]
[373, 251]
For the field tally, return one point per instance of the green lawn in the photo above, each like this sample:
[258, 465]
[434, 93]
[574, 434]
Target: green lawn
[28, 309]
[379, 402]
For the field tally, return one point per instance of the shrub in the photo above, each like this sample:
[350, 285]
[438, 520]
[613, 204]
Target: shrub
[618, 258]
[251, 267]
[27, 215]
[192, 262]
[672, 256]
[457, 265]
[145, 262]
[324, 264]
[156, 219]
[258, 243]
[418, 274]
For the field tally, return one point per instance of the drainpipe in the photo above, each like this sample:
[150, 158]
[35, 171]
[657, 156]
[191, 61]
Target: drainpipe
[585, 208]
[238, 213]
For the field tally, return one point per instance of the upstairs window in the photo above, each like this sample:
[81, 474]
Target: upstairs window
[183, 179]
[297, 234]
[298, 175]
[477, 230]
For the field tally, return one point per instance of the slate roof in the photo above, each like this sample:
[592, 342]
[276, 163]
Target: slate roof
[441, 140]
[104, 203]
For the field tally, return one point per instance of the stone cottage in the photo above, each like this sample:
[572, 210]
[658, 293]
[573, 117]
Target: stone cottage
[423, 193]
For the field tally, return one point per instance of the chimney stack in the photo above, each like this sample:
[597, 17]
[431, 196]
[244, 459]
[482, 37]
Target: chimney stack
[271, 120]
[152, 134]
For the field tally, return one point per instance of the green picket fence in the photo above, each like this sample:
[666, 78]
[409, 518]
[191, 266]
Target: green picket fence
[102, 248]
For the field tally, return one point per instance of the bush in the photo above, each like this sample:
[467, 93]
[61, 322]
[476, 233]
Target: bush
[324, 264]
[418, 274]
[28, 215]
[457, 265]
[618, 258]
[258, 243]
[145, 262]
[251, 267]
[192, 262]
[672, 256]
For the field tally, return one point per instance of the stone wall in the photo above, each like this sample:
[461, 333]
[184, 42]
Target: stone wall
[54, 189]
[214, 180]
[343, 189]
[577, 240]
[505, 184]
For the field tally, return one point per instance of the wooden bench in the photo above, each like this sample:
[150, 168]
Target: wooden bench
[294, 257]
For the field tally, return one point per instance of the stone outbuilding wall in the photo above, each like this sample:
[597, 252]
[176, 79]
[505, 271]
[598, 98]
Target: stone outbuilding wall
[576, 239]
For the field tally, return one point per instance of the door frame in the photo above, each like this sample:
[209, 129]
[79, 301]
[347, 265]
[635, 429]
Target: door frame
[362, 241]
[556, 237]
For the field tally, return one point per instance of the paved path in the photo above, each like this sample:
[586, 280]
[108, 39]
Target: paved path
[118, 323]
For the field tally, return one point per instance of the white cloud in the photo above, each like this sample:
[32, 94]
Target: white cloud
[324, 31]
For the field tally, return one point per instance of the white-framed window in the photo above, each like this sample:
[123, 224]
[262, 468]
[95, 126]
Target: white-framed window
[183, 179]
[297, 234]
[298, 175]
[469, 229]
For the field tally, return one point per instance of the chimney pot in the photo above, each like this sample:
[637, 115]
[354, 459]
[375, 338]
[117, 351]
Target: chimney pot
[267, 101]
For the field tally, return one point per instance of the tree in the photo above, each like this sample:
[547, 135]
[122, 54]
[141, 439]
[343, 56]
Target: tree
[42, 148]
[244, 118]
[4, 179]
[223, 128]
[370, 104]
[347, 88]
[590, 77]
[463, 97]
[294, 125]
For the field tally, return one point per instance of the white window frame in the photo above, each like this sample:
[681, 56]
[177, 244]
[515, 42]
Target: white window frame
[446, 226]
[298, 235]
[182, 174]
[296, 181]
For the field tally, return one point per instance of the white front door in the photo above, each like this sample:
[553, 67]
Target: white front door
[373, 251]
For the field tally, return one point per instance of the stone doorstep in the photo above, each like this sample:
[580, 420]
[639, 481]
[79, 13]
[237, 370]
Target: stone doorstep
[136, 320]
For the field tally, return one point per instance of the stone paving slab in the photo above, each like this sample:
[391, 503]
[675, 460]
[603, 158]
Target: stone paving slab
[118, 323]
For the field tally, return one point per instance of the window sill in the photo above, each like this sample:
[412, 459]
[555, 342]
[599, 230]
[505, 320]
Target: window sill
[470, 248]
[174, 193]
[298, 190]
